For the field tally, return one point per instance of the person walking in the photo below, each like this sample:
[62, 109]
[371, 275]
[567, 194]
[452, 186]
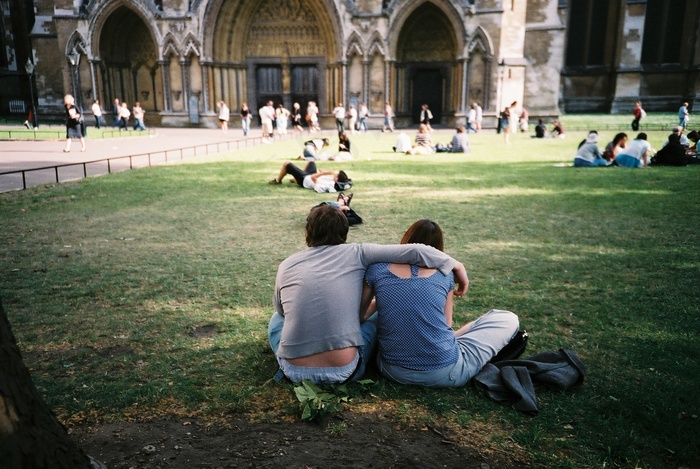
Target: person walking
[683, 116]
[224, 116]
[97, 113]
[138, 113]
[479, 116]
[352, 119]
[75, 125]
[363, 114]
[638, 113]
[116, 110]
[388, 118]
[426, 116]
[312, 117]
[339, 113]
[296, 118]
[124, 115]
[267, 116]
[471, 119]
[245, 119]
[281, 119]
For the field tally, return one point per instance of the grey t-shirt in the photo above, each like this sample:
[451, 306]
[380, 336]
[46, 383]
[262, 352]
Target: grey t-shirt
[318, 292]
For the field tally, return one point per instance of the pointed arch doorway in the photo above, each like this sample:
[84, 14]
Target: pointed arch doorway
[271, 50]
[426, 53]
[129, 67]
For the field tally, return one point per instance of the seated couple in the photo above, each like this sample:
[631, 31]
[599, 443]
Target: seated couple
[326, 323]
[313, 178]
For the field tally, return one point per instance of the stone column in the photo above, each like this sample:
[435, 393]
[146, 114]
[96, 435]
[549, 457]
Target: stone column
[465, 86]
[205, 85]
[167, 99]
[628, 83]
[185, 72]
[94, 78]
[365, 80]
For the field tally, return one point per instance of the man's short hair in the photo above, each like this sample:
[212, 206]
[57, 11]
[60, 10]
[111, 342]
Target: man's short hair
[342, 176]
[326, 225]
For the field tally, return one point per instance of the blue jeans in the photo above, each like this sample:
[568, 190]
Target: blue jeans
[362, 124]
[628, 161]
[138, 125]
[329, 374]
[245, 123]
[581, 163]
[487, 336]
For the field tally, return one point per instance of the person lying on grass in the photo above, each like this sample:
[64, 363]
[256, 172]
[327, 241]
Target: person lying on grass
[417, 344]
[316, 332]
[313, 178]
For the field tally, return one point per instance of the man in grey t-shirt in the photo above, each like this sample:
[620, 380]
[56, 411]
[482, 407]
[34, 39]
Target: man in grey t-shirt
[315, 331]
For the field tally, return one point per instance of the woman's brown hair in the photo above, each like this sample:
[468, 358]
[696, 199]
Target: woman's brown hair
[424, 232]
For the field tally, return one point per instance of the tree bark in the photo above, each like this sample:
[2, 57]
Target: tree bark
[31, 437]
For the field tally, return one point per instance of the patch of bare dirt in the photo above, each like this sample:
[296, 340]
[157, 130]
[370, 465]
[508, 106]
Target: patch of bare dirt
[345, 440]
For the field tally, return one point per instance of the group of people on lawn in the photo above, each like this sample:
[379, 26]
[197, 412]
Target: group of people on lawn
[336, 303]
[678, 150]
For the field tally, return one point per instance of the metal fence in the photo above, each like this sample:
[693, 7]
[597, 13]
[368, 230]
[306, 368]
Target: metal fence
[21, 179]
[60, 133]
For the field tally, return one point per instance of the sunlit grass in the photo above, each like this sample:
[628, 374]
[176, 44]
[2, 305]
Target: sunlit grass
[147, 293]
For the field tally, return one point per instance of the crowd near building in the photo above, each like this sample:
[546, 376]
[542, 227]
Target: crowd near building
[179, 58]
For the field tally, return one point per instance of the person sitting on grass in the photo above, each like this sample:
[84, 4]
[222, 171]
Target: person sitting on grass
[312, 148]
[678, 130]
[693, 137]
[343, 149]
[540, 129]
[636, 153]
[673, 154]
[588, 154]
[615, 147]
[423, 144]
[316, 332]
[403, 143]
[416, 342]
[460, 141]
[313, 178]
[557, 130]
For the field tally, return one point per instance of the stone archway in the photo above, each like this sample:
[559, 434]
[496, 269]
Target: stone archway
[284, 50]
[426, 53]
[129, 62]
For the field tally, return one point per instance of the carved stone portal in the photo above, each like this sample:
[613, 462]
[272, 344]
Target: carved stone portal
[284, 28]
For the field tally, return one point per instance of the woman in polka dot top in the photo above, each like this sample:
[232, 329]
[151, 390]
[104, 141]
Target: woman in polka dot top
[417, 344]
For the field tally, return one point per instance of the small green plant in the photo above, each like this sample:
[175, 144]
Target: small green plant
[337, 429]
[318, 402]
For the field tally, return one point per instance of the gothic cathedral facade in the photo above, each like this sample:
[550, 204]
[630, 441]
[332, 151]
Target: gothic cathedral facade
[179, 58]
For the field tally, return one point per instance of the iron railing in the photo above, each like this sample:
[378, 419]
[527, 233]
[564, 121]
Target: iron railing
[18, 179]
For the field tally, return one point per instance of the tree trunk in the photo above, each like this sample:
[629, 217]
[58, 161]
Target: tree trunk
[30, 435]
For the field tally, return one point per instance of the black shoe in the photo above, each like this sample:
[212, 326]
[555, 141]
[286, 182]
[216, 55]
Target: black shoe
[513, 349]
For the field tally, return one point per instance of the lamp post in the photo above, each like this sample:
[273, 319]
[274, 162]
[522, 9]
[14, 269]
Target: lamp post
[74, 59]
[29, 68]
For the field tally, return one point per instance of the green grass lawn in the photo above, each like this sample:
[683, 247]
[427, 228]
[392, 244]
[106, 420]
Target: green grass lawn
[143, 293]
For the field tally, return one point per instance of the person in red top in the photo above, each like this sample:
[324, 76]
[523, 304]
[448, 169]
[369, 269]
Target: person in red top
[638, 114]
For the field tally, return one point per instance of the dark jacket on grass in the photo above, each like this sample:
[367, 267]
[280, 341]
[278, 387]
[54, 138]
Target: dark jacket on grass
[516, 380]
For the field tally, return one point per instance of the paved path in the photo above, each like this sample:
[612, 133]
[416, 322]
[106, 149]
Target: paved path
[178, 143]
